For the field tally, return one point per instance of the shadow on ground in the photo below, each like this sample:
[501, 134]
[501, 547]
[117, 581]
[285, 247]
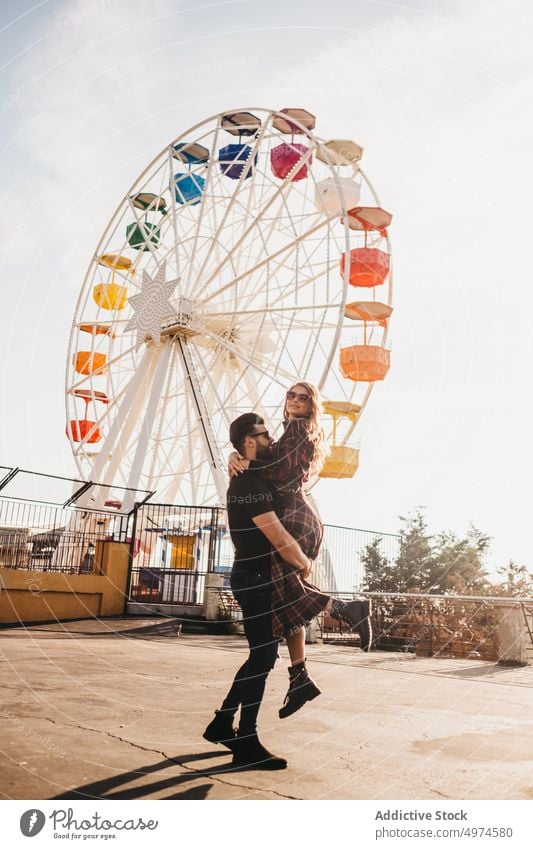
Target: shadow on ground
[106, 788]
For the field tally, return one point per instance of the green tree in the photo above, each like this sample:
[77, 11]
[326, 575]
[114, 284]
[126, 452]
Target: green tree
[431, 563]
[415, 560]
[379, 571]
[458, 564]
[517, 581]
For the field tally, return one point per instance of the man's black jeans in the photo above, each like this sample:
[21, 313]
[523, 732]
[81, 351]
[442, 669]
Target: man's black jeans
[253, 594]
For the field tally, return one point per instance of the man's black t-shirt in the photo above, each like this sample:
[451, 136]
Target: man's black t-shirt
[249, 496]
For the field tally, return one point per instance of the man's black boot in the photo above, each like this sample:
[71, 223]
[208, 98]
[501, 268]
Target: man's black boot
[356, 614]
[302, 689]
[249, 752]
[221, 729]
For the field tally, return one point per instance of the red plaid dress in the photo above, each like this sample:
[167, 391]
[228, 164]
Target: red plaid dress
[294, 601]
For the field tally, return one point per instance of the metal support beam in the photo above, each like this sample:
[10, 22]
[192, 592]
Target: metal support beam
[75, 495]
[9, 477]
[212, 450]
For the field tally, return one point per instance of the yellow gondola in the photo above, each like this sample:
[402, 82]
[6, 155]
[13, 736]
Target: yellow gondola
[110, 296]
[343, 460]
[116, 261]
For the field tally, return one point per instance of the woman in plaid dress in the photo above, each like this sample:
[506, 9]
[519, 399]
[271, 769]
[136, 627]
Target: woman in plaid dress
[297, 456]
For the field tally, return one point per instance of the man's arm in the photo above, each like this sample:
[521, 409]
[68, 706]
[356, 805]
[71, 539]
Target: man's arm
[282, 541]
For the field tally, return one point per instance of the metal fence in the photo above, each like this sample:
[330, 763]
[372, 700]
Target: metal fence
[435, 625]
[48, 538]
[173, 548]
[43, 526]
[177, 546]
[339, 567]
[50, 523]
[340, 562]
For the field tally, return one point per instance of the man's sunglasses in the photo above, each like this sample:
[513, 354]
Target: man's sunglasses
[302, 396]
[261, 433]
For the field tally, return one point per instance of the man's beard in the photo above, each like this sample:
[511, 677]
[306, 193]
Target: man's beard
[263, 452]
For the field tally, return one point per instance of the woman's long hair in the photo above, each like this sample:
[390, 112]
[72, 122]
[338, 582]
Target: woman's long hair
[316, 431]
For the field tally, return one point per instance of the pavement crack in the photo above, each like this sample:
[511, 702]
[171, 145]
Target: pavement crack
[438, 793]
[216, 777]
[189, 769]
[101, 731]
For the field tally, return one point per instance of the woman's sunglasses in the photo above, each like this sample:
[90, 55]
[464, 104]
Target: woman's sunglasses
[302, 396]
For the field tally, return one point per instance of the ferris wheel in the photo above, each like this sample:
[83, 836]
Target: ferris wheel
[221, 280]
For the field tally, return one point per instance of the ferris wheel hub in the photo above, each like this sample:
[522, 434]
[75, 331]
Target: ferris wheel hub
[183, 321]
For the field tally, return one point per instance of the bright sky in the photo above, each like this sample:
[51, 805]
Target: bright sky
[439, 95]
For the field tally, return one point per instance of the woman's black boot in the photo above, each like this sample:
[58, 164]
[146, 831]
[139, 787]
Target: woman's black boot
[249, 752]
[220, 729]
[302, 689]
[356, 614]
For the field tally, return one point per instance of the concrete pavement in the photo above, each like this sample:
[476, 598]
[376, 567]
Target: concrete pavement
[115, 709]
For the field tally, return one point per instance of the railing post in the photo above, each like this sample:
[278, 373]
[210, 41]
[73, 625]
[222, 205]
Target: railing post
[430, 649]
[136, 508]
[213, 540]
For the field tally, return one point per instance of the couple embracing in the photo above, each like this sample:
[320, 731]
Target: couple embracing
[277, 536]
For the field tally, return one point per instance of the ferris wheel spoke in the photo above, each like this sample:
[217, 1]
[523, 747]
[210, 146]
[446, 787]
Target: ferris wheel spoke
[208, 180]
[258, 398]
[282, 254]
[254, 200]
[195, 395]
[286, 290]
[272, 310]
[273, 224]
[285, 184]
[305, 281]
[216, 403]
[244, 172]
[233, 349]
[172, 214]
[285, 249]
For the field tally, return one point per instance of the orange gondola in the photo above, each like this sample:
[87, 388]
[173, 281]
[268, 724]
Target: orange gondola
[97, 329]
[372, 311]
[368, 267]
[369, 218]
[79, 428]
[87, 362]
[366, 363]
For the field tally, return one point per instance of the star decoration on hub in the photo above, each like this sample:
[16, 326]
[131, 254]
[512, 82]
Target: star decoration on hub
[151, 305]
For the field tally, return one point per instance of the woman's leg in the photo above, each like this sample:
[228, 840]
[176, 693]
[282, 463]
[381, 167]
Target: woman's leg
[356, 614]
[302, 688]
[296, 646]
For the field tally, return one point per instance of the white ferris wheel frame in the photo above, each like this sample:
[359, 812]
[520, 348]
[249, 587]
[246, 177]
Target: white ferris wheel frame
[135, 406]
